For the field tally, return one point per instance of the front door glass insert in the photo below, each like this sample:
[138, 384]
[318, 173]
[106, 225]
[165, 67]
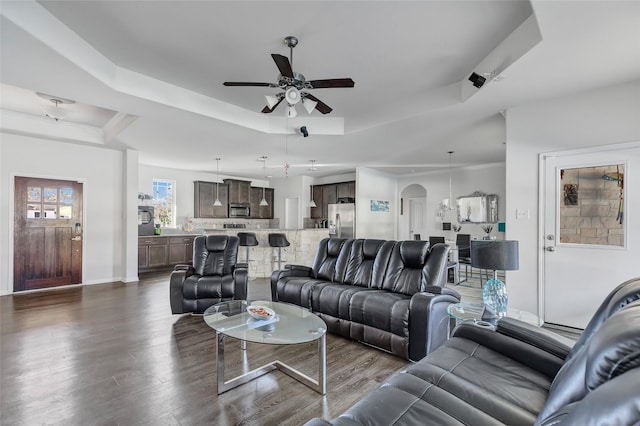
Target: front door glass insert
[592, 205]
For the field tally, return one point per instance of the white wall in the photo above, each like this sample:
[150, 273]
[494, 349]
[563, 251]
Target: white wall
[600, 117]
[375, 185]
[290, 187]
[489, 179]
[102, 172]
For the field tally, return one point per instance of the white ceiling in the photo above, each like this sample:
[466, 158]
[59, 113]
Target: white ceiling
[161, 64]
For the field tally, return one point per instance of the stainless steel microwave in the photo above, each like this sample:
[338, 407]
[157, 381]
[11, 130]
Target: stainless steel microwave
[239, 211]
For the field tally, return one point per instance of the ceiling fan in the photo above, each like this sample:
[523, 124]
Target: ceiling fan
[295, 86]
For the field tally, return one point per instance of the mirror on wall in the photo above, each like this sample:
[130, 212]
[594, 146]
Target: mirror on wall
[477, 208]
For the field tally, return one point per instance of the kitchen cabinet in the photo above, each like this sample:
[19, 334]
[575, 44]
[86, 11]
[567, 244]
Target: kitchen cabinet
[256, 210]
[346, 189]
[329, 196]
[180, 250]
[239, 191]
[152, 252]
[204, 197]
[157, 253]
[324, 195]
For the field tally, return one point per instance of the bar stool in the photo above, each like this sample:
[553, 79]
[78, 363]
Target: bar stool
[247, 239]
[278, 240]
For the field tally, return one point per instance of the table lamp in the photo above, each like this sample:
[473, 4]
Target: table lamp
[496, 255]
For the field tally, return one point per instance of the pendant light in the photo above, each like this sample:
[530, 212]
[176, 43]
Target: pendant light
[217, 202]
[263, 202]
[312, 203]
[448, 205]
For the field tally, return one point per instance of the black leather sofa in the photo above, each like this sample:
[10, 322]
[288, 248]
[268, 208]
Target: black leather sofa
[519, 375]
[214, 277]
[388, 294]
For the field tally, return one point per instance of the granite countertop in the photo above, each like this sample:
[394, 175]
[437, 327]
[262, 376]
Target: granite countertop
[222, 230]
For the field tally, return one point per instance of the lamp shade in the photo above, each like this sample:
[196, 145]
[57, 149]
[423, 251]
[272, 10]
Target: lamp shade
[495, 255]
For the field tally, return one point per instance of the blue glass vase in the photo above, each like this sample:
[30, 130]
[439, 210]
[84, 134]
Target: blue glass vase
[494, 294]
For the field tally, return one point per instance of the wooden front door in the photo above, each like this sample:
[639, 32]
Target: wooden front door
[48, 233]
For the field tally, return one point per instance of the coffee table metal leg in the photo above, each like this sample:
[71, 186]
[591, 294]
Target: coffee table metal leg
[319, 385]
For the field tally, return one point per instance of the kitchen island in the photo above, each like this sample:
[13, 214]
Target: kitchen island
[263, 259]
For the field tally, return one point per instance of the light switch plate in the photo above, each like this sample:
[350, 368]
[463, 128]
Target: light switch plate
[522, 214]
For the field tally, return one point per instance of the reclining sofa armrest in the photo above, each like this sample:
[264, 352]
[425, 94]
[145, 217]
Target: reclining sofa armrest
[288, 271]
[533, 357]
[240, 281]
[428, 322]
[184, 268]
[180, 273]
[442, 290]
[541, 338]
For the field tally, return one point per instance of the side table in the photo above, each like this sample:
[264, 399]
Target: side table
[465, 311]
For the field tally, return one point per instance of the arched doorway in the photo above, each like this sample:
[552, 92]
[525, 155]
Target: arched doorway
[413, 212]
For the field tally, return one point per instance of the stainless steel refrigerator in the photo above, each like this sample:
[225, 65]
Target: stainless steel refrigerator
[342, 220]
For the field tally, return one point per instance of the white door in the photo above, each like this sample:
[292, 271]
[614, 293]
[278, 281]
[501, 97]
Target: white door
[590, 242]
[416, 218]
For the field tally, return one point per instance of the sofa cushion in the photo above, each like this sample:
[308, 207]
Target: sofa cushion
[334, 299]
[612, 350]
[382, 310]
[360, 264]
[215, 254]
[404, 272]
[297, 290]
[326, 260]
[209, 287]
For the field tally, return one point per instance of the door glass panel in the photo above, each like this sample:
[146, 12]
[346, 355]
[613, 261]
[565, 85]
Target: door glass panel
[65, 212]
[34, 211]
[592, 205]
[34, 194]
[50, 195]
[66, 195]
[50, 211]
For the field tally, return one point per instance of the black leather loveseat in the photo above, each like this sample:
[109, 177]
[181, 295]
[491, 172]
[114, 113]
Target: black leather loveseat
[519, 375]
[214, 277]
[388, 294]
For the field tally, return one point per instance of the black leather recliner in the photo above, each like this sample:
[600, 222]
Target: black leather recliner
[214, 277]
[519, 374]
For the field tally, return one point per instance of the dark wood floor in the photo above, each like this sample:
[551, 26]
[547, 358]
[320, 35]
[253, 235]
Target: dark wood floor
[112, 354]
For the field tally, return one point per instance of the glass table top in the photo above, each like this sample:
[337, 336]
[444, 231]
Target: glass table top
[290, 325]
[465, 311]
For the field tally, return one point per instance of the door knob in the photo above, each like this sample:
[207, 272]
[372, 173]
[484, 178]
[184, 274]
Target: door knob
[551, 248]
[78, 238]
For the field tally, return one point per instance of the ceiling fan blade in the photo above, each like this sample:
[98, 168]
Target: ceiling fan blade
[244, 83]
[321, 106]
[332, 82]
[282, 62]
[267, 110]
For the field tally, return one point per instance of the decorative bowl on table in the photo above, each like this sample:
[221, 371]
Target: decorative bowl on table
[260, 312]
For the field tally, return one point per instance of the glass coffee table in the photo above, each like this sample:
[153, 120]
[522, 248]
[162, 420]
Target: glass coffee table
[290, 325]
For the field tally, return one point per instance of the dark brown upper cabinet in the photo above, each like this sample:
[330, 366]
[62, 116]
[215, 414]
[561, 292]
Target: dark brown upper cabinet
[205, 196]
[239, 191]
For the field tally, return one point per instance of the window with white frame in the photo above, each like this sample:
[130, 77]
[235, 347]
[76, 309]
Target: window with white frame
[164, 197]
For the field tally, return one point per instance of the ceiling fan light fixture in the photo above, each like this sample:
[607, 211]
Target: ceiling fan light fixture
[292, 95]
[309, 105]
[271, 100]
